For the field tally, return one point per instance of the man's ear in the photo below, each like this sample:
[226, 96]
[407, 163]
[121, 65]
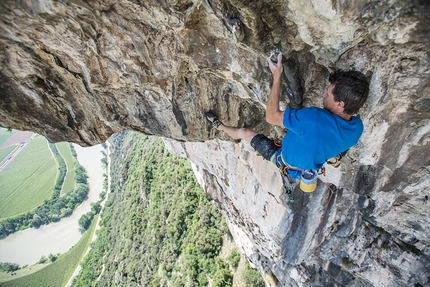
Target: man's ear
[341, 104]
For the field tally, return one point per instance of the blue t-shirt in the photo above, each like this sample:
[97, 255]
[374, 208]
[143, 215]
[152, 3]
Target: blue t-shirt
[316, 135]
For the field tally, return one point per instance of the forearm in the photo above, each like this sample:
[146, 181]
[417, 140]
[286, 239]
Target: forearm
[273, 99]
[273, 114]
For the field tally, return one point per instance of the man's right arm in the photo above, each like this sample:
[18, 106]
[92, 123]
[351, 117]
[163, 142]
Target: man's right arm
[275, 116]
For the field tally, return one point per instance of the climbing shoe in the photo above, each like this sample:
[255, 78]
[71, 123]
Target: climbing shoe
[335, 161]
[212, 119]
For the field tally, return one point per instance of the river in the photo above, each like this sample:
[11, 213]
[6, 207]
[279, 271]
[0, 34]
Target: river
[29, 245]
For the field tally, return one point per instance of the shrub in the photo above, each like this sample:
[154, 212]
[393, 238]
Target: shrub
[223, 276]
[253, 277]
[346, 261]
[234, 258]
[384, 246]
[53, 257]
[9, 267]
[42, 260]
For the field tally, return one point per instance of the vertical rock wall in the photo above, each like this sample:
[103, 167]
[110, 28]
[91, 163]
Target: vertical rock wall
[83, 70]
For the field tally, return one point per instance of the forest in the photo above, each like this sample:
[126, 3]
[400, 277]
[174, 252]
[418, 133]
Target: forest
[158, 227]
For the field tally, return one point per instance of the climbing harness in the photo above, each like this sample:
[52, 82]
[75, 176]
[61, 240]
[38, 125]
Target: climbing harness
[308, 178]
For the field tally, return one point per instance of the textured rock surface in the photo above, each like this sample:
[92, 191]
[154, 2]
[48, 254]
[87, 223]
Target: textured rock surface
[80, 71]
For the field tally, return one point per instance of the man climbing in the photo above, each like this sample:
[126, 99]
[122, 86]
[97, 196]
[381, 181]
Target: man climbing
[315, 135]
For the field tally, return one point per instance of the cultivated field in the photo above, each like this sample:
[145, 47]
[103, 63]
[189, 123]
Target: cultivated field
[4, 136]
[4, 152]
[69, 181]
[14, 137]
[5, 149]
[28, 179]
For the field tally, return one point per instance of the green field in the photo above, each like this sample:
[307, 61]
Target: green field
[28, 179]
[4, 152]
[69, 181]
[58, 273]
[5, 134]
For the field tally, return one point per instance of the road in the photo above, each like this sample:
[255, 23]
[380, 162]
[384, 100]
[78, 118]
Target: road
[17, 150]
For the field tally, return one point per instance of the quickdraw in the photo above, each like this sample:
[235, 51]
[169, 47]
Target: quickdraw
[288, 187]
[286, 180]
[283, 169]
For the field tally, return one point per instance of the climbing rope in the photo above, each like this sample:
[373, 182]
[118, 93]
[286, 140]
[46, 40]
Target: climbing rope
[323, 215]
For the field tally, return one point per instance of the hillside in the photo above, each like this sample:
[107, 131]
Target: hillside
[158, 227]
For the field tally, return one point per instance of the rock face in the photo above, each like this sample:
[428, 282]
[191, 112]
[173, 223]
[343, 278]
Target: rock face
[82, 70]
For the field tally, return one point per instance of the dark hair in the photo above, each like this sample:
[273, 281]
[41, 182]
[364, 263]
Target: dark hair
[351, 87]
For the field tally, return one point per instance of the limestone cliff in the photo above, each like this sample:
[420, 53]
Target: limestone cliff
[80, 71]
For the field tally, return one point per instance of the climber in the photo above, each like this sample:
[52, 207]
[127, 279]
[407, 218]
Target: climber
[315, 135]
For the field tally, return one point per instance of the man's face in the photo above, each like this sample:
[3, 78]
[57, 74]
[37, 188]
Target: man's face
[328, 99]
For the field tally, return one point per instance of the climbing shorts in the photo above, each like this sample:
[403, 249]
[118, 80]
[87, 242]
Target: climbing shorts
[265, 146]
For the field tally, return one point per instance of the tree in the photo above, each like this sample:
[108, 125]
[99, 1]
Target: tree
[104, 162]
[9, 267]
[85, 221]
[53, 257]
[37, 221]
[81, 176]
[95, 207]
[65, 212]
